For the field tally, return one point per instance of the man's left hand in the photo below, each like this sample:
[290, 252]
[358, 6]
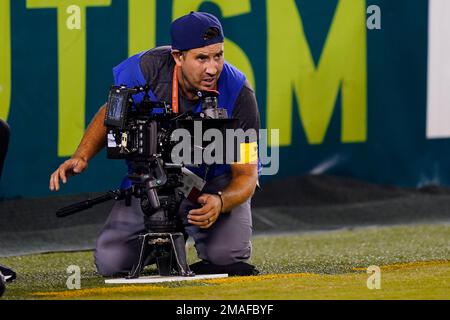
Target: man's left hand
[208, 214]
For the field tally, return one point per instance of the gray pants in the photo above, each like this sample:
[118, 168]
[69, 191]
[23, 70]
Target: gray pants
[227, 241]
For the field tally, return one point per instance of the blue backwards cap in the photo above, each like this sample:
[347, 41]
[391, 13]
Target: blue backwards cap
[190, 31]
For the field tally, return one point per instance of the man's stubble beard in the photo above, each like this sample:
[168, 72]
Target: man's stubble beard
[187, 87]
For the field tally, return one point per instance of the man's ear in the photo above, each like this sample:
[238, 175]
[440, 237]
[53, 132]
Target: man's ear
[177, 56]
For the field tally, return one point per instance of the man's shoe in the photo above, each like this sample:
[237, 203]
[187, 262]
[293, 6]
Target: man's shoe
[234, 269]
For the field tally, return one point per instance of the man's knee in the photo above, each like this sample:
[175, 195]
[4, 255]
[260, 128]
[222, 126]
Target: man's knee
[113, 256]
[113, 262]
[118, 246]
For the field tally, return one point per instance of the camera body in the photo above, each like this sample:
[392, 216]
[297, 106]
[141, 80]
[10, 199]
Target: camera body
[136, 132]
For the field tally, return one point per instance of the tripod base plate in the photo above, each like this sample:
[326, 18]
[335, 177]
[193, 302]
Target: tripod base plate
[159, 279]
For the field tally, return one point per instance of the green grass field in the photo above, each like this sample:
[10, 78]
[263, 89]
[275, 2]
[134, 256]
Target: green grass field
[414, 261]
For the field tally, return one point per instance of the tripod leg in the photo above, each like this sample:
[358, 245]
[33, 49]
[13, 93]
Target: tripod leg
[136, 270]
[178, 244]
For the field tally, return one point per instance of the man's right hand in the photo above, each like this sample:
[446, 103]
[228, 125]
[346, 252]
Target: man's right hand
[70, 167]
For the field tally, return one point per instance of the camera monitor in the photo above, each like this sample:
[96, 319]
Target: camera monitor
[117, 107]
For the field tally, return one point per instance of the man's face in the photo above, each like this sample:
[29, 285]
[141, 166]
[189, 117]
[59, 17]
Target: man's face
[200, 67]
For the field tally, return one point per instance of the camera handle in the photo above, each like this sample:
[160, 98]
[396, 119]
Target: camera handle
[86, 204]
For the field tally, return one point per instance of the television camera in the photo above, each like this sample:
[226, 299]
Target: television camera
[141, 134]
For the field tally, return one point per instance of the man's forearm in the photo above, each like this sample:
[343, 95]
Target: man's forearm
[94, 138]
[241, 187]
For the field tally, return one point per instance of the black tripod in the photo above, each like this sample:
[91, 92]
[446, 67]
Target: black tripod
[160, 210]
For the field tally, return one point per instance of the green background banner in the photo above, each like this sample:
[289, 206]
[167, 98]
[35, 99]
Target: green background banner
[348, 100]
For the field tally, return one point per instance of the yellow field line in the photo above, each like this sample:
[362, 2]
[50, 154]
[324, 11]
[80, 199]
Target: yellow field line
[99, 291]
[407, 265]
[258, 278]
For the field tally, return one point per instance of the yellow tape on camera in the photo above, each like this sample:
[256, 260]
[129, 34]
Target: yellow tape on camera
[248, 153]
